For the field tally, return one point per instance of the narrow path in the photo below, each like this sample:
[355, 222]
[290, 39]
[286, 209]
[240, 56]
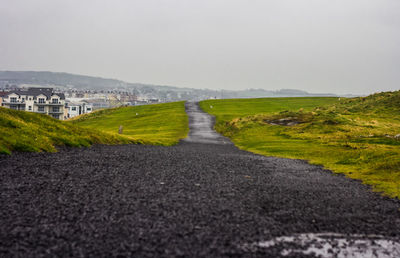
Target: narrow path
[201, 126]
[195, 199]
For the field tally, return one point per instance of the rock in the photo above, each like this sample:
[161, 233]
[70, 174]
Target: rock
[397, 136]
[286, 119]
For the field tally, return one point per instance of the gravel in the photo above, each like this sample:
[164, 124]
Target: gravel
[190, 200]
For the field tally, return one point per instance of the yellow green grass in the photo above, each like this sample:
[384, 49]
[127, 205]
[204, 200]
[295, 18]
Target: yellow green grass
[227, 109]
[160, 124]
[356, 137]
[26, 131]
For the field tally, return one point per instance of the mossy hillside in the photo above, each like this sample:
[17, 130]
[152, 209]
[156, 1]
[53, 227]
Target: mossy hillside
[227, 109]
[159, 124]
[357, 137]
[26, 131]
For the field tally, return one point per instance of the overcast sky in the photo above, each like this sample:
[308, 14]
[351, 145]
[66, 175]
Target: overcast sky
[338, 46]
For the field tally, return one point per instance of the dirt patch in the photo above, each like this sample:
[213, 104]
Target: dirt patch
[288, 121]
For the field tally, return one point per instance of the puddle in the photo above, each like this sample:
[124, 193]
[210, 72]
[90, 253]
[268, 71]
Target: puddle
[331, 245]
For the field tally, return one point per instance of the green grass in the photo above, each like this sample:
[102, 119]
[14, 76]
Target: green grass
[160, 124]
[352, 136]
[228, 109]
[31, 132]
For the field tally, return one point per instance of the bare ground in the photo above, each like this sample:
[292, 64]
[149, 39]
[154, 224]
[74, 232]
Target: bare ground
[201, 198]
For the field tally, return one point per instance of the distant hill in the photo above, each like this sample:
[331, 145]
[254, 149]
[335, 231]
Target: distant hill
[171, 93]
[61, 79]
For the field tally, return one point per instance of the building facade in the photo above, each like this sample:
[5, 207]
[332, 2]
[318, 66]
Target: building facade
[38, 100]
[2, 94]
[76, 109]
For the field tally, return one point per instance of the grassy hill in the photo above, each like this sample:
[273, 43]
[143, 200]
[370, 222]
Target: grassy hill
[227, 109]
[160, 124]
[358, 137]
[26, 131]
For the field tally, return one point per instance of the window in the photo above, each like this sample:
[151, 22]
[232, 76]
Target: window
[56, 109]
[13, 99]
[55, 116]
[54, 101]
[41, 100]
[88, 109]
[73, 108]
[14, 107]
[23, 99]
[30, 108]
[40, 109]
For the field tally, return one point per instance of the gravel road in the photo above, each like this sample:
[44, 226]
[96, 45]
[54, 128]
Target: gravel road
[200, 198]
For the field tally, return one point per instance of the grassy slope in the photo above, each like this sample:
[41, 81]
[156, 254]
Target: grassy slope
[25, 131]
[227, 109]
[354, 137]
[161, 124]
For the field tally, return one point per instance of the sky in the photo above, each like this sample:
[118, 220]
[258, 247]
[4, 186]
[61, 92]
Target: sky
[335, 46]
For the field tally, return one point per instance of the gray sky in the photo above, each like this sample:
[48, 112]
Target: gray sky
[339, 46]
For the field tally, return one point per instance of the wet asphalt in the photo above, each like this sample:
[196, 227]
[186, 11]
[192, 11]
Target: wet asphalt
[200, 198]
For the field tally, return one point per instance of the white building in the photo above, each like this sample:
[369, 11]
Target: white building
[38, 100]
[76, 109]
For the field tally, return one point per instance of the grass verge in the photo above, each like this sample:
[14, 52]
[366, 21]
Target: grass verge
[31, 132]
[358, 137]
[159, 124]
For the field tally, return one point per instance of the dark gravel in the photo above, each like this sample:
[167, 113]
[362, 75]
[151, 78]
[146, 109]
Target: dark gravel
[190, 200]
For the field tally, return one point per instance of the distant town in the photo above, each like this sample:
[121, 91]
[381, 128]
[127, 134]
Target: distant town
[68, 104]
[64, 96]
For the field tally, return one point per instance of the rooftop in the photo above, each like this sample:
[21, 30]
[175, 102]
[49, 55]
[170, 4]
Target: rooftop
[48, 92]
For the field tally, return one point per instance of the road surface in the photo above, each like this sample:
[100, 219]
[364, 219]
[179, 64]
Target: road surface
[200, 198]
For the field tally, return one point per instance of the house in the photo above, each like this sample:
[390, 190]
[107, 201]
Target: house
[76, 109]
[97, 103]
[140, 102]
[38, 100]
[66, 111]
[153, 101]
[2, 94]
